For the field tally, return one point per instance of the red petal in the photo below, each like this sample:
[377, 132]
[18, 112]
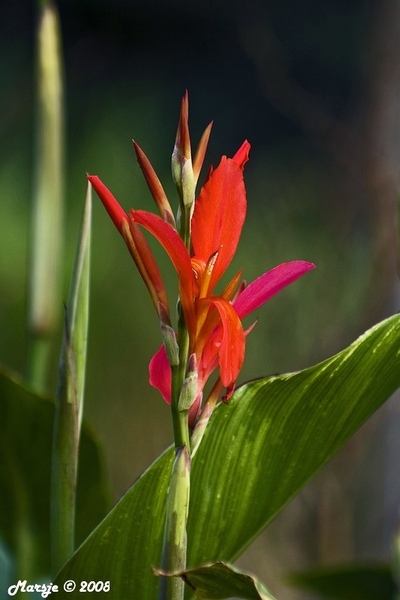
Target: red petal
[136, 242]
[182, 141]
[201, 152]
[111, 204]
[218, 217]
[160, 374]
[176, 250]
[155, 187]
[145, 262]
[231, 353]
[242, 155]
[269, 284]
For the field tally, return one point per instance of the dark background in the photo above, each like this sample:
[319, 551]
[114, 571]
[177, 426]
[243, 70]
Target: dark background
[314, 86]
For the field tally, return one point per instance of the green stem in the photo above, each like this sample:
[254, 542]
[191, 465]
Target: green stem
[186, 226]
[179, 417]
[175, 543]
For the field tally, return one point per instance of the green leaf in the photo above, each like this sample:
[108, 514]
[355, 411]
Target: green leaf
[220, 580]
[26, 429]
[47, 222]
[257, 452]
[69, 399]
[349, 582]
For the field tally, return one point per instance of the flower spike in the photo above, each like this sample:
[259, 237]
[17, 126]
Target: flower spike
[210, 331]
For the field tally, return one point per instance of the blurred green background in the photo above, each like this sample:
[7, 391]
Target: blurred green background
[315, 87]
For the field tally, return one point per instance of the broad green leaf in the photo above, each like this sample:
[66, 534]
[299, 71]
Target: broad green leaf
[349, 582]
[220, 580]
[128, 543]
[257, 452]
[26, 428]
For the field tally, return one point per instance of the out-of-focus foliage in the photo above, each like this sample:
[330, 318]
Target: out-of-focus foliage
[349, 582]
[26, 439]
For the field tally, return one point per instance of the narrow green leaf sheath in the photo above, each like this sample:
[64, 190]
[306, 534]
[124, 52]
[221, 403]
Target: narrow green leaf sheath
[69, 401]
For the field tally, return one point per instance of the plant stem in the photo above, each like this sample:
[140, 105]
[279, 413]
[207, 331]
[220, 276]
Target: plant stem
[179, 417]
[175, 543]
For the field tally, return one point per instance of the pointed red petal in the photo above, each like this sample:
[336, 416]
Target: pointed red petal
[218, 217]
[269, 284]
[111, 204]
[160, 374]
[231, 353]
[201, 152]
[182, 141]
[136, 242]
[145, 262]
[155, 187]
[176, 250]
[242, 155]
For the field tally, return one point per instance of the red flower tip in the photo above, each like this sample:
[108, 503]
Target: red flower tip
[201, 152]
[154, 184]
[182, 141]
[242, 155]
[111, 204]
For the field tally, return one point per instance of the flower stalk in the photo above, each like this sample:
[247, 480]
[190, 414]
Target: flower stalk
[175, 539]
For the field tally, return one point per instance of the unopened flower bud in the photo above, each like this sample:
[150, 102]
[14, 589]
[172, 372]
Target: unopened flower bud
[168, 335]
[170, 344]
[188, 183]
[189, 387]
[176, 167]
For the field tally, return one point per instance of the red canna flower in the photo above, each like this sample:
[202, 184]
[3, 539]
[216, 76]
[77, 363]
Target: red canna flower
[213, 321]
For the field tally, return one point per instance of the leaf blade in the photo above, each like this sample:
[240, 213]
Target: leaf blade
[287, 426]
